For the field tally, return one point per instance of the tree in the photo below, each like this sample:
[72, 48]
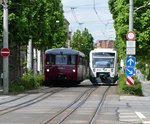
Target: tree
[37, 19]
[120, 12]
[82, 41]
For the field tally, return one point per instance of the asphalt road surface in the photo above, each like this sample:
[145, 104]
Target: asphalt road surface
[82, 104]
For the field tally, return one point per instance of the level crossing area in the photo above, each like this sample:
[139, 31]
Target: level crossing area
[81, 104]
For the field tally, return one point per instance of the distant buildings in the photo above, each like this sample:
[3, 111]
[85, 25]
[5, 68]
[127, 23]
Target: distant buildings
[105, 44]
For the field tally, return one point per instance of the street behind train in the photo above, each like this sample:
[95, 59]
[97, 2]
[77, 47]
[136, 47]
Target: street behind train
[78, 104]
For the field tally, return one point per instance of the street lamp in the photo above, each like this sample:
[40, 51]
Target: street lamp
[131, 12]
[5, 45]
[131, 44]
[146, 5]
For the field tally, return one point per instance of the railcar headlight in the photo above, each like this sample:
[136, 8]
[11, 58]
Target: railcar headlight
[47, 70]
[112, 70]
[93, 69]
[74, 70]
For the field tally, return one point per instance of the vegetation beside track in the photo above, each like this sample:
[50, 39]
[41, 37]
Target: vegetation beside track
[27, 82]
[136, 89]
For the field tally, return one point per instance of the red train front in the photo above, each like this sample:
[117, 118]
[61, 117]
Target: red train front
[64, 65]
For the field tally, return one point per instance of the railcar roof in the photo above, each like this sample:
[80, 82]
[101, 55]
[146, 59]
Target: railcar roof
[66, 51]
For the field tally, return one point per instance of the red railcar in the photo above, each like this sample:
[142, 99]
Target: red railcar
[64, 65]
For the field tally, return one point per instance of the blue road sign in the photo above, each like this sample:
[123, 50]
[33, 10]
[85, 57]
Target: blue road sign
[129, 71]
[130, 61]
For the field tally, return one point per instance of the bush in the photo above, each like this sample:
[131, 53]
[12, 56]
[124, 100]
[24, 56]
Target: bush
[27, 82]
[136, 89]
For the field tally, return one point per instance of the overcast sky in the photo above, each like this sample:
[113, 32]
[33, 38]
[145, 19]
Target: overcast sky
[91, 14]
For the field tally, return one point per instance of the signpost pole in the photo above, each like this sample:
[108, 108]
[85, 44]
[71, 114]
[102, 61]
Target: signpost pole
[130, 48]
[131, 15]
[5, 45]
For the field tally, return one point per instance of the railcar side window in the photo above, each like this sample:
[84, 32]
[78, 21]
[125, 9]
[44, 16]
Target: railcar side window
[71, 60]
[81, 61]
[61, 59]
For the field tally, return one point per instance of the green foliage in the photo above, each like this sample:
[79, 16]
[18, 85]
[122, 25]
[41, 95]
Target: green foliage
[37, 19]
[82, 41]
[27, 82]
[120, 12]
[136, 89]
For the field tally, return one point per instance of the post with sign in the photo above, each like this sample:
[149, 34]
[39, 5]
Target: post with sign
[130, 58]
[5, 46]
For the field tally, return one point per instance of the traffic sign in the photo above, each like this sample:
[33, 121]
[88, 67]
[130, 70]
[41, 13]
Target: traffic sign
[130, 35]
[5, 52]
[130, 43]
[129, 71]
[130, 61]
[130, 80]
[130, 50]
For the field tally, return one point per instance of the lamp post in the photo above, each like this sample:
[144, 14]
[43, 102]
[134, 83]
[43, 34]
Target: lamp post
[5, 45]
[131, 45]
[146, 5]
[131, 12]
[131, 15]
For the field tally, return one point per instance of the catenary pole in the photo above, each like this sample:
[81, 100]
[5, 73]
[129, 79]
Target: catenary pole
[5, 45]
[131, 15]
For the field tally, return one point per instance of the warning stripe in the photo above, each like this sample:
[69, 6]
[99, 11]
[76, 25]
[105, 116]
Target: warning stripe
[130, 80]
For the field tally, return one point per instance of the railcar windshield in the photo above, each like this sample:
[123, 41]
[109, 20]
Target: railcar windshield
[103, 60]
[61, 60]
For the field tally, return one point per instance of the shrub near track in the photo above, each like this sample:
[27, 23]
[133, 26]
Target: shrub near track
[27, 82]
[136, 89]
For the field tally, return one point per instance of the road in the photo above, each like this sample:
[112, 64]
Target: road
[82, 104]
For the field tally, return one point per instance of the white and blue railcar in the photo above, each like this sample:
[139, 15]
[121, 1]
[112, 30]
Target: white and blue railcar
[103, 66]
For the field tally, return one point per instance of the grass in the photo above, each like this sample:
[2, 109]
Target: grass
[136, 89]
[27, 82]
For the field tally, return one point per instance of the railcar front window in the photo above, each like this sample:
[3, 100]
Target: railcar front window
[61, 60]
[103, 60]
[50, 60]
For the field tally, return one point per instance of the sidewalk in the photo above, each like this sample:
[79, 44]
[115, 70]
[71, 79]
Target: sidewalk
[146, 88]
[137, 109]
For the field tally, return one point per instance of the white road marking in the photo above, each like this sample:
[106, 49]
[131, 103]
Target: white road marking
[146, 122]
[140, 115]
[4, 97]
[131, 120]
[126, 116]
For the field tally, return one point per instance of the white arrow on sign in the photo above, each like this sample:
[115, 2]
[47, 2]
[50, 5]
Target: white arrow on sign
[130, 71]
[130, 61]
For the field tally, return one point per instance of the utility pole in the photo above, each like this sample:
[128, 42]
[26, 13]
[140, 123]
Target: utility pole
[130, 48]
[5, 45]
[131, 11]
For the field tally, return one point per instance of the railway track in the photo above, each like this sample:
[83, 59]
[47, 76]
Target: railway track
[28, 102]
[69, 110]
[101, 101]
[20, 96]
[56, 105]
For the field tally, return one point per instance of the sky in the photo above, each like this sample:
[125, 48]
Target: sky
[91, 14]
